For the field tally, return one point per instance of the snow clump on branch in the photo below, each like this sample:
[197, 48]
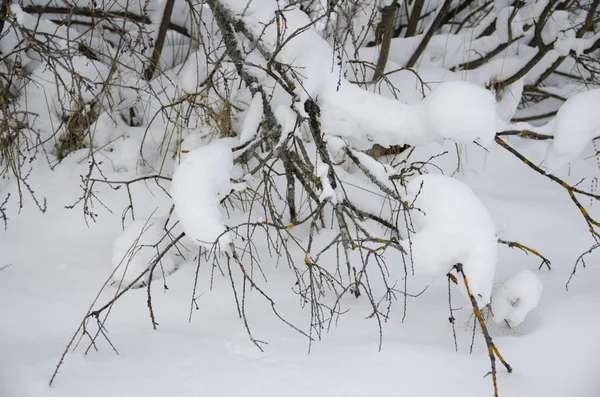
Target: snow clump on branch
[452, 226]
[199, 183]
[577, 123]
[515, 297]
[460, 111]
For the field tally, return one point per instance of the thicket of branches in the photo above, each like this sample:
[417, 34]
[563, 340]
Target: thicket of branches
[173, 68]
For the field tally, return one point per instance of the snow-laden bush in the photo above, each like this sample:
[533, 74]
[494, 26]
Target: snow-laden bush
[302, 131]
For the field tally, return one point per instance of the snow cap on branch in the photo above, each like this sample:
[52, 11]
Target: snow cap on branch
[452, 226]
[459, 111]
[199, 183]
[576, 124]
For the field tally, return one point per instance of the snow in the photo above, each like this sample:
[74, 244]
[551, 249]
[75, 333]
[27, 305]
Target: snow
[514, 28]
[56, 282]
[137, 248]
[327, 191]
[252, 119]
[199, 183]
[287, 119]
[577, 123]
[125, 156]
[306, 51]
[54, 266]
[508, 100]
[193, 141]
[557, 27]
[459, 111]
[494, 71]
[452, 226]
[80, 82]
[515, 297]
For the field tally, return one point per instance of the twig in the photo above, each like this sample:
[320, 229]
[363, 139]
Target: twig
[526, 249]
[492, 349]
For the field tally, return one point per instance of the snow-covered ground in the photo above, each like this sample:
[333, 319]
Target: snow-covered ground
[53, 266]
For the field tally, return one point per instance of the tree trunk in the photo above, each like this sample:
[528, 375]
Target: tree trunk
[388, 18]
[160, 40]
[415, 16]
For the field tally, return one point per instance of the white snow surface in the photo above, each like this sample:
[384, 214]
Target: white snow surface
[452, 226]
[516, 296]
[577, 123]
[199, 183]
[136, 249]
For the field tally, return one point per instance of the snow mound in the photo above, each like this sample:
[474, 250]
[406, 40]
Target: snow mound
[198, 183]
[576, 124]
[452, 226]
[515, 297]
[124, 155]
[137, 247]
